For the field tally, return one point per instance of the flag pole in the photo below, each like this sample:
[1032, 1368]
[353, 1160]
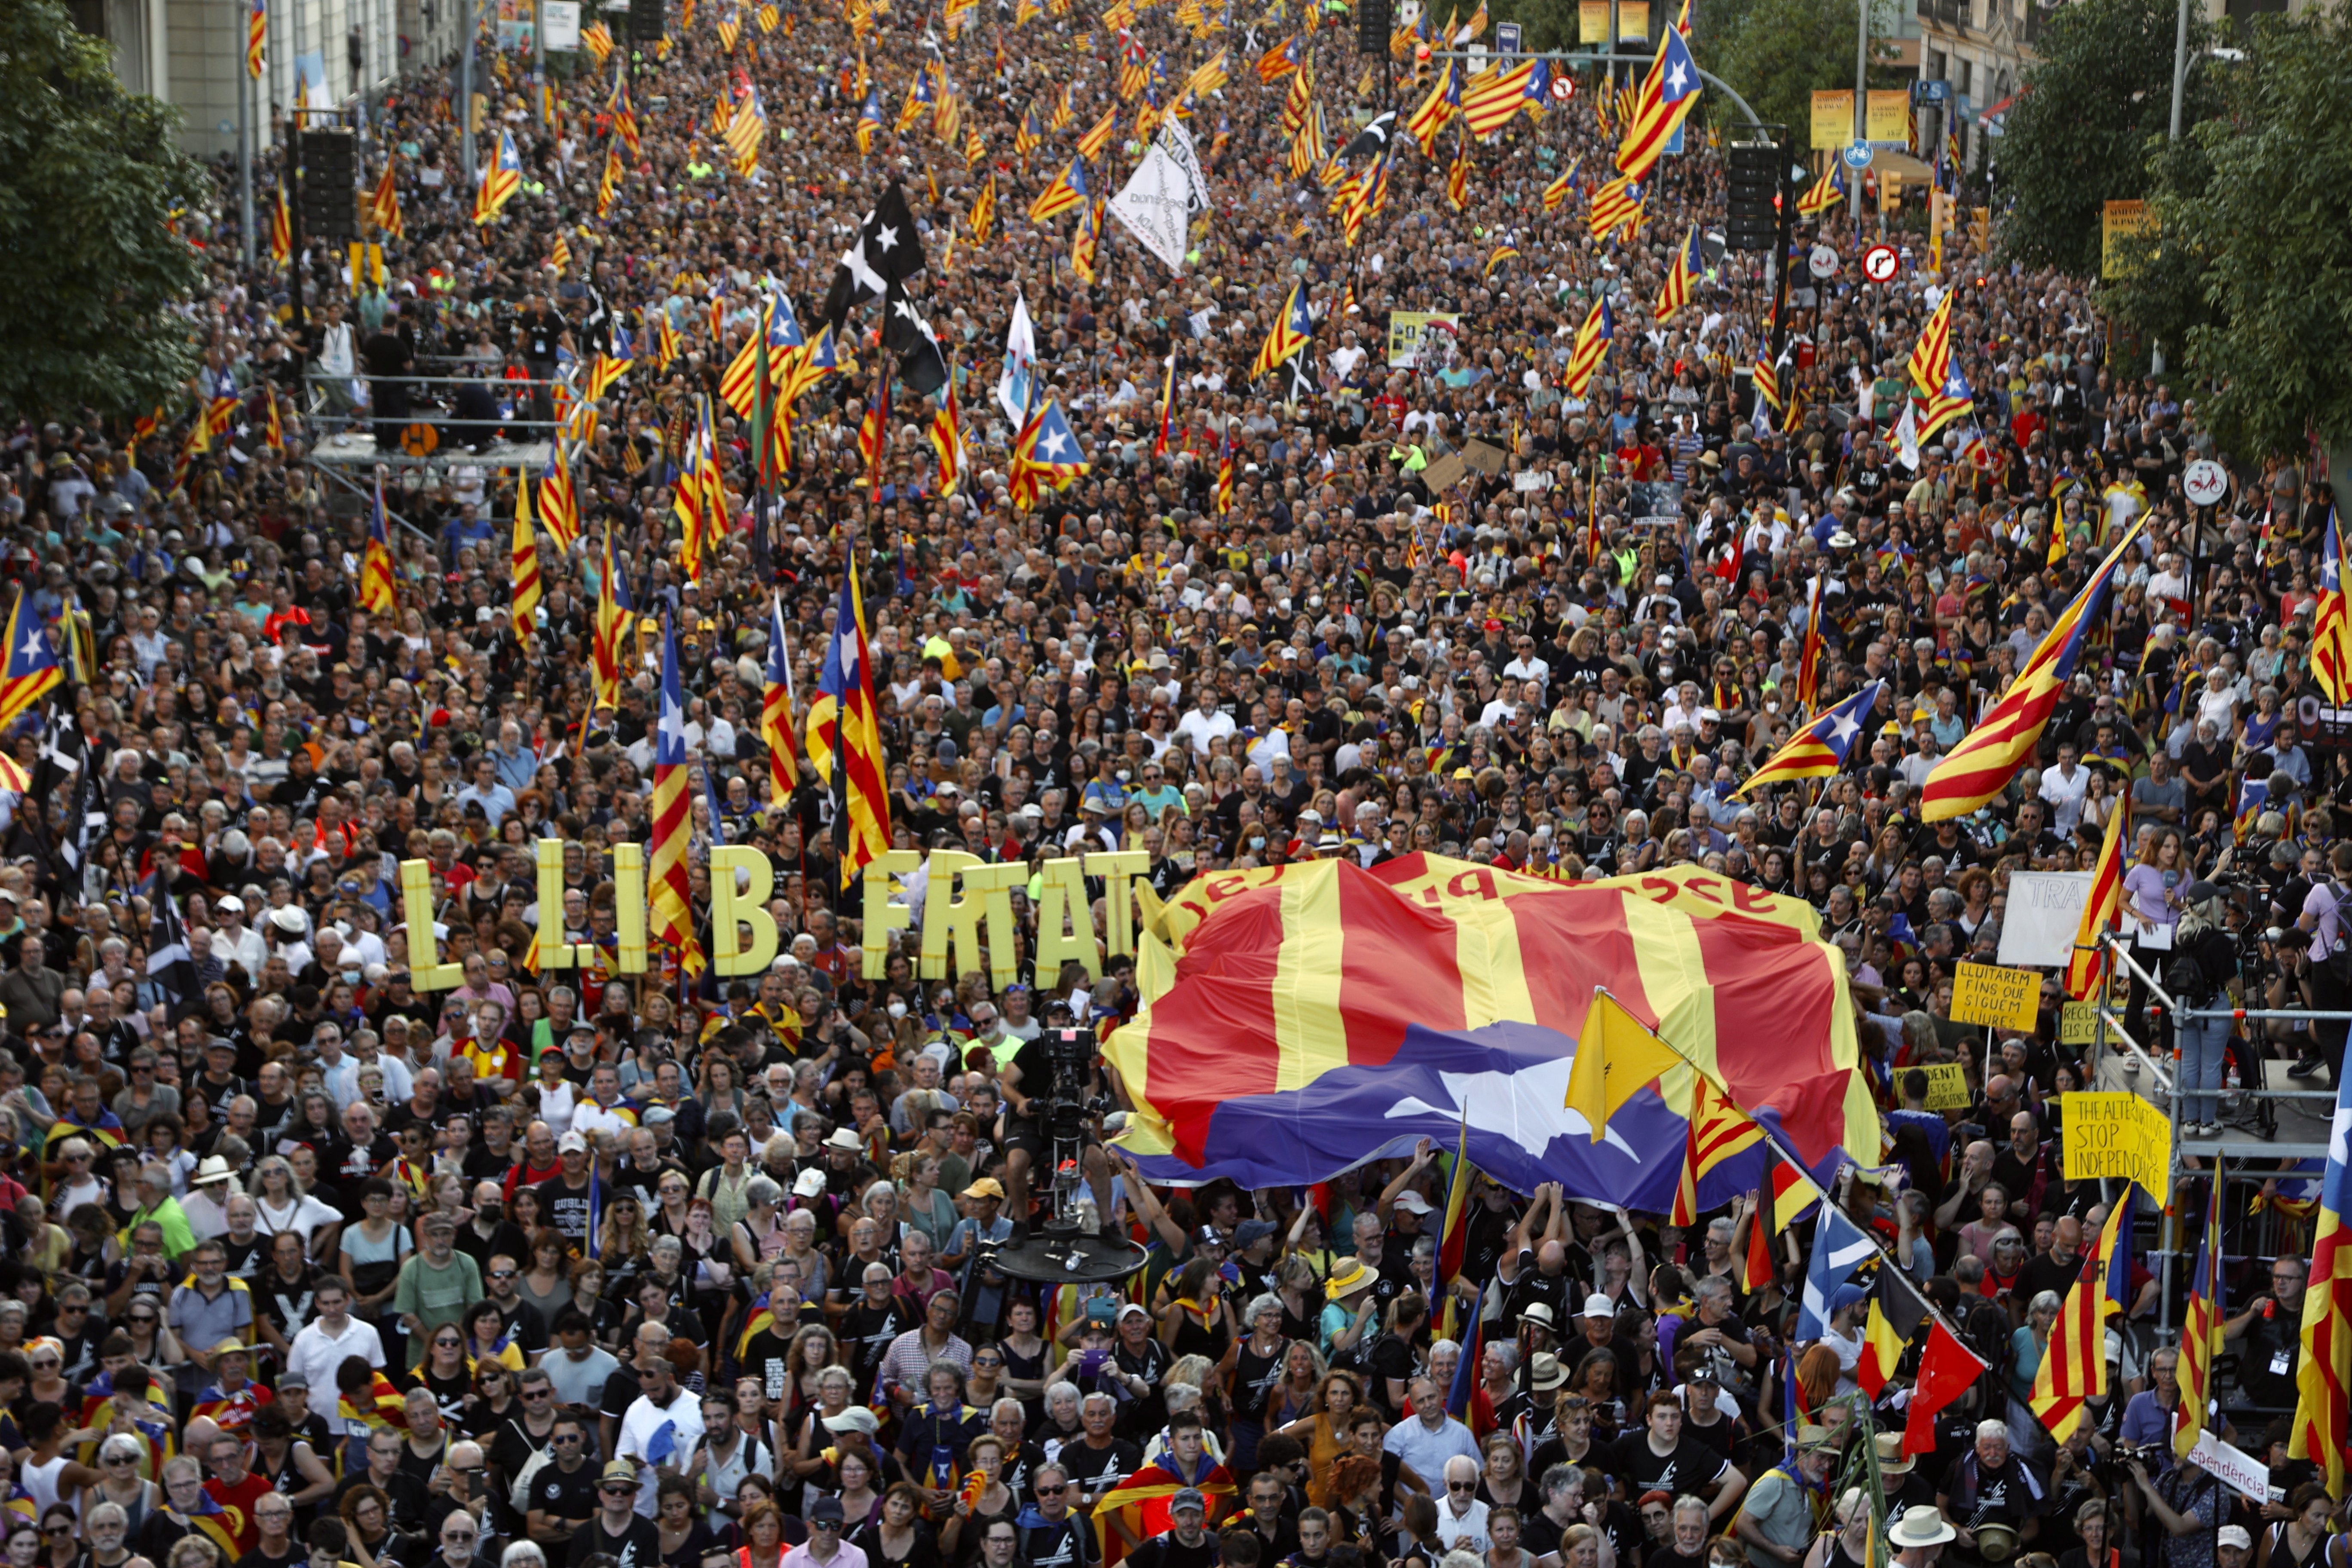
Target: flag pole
[1780, 1147]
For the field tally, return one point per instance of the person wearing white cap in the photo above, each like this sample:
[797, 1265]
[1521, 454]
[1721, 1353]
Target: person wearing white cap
[1920, 1535]
[234, 942]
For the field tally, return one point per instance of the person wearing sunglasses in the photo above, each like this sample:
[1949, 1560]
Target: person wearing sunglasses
[562, 1492]
[617, 1528]
[826, 1547]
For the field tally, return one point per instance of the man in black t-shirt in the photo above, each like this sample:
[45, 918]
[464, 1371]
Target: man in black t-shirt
[563, 1490]
[1102, 1460]
[1660, 1458]
[617, 1530]
[563, 1198]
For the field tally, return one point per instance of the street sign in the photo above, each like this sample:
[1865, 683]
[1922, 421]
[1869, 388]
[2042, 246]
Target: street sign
[1880, 264]
[1822, 262]
[1859, 155]
[1507, 39]
[1931, 92]
[1563, 88]
[2205, 482]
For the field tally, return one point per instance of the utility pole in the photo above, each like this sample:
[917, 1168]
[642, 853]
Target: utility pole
[466, 99]
[2180, 67]
[247, 88]
[1862, 71]
[539, 61]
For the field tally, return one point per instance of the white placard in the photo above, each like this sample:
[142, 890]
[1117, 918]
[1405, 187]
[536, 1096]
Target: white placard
[2046, 910]
[2234, 1465]
[562, 23]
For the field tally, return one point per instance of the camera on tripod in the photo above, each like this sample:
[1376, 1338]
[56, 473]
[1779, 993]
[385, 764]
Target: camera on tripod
[1071, 1054]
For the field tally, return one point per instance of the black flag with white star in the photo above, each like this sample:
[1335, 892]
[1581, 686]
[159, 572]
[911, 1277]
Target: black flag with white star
[885, 250]
[891, 242]
[921, 365]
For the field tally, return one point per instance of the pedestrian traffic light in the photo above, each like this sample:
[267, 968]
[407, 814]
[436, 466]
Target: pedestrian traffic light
[1754, 179]
[1981, 228]
[329, 183]
[1373, 27]
[646, 22]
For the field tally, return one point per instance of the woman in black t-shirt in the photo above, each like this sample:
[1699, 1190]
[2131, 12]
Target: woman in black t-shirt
[899, 1538]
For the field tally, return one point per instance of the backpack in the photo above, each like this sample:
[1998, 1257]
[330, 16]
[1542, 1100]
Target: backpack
[519, 1494]
[2339, 962]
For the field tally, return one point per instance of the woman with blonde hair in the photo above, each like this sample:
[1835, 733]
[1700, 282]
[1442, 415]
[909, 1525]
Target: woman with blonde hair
[626, 1242]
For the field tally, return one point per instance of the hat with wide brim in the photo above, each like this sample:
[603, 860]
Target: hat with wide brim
[1923, 1524]
[1350, 1275]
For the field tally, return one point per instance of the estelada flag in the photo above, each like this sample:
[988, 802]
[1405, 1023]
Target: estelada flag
[1446, 999]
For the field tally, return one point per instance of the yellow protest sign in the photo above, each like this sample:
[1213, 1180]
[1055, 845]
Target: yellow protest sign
[2004, 998]
[2078, 1022]
[1947, 1086]
[2119, 221]
[2115, 1134]
[1832, 119]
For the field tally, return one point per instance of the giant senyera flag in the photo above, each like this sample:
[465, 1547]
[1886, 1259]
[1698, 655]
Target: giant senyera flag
[1292, 1016]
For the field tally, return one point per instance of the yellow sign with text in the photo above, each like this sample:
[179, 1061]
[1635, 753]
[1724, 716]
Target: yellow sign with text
[2078, 1022]
[1947, 1086]
[2113, 1134]
[1592, 20]
[1888, 118]
[2001, 998]
[2119, 221]
[1832, 119]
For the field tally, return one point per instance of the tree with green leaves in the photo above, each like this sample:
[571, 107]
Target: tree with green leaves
[1776, 53]
[96, 204]
[2247, 279]
[2079, 132]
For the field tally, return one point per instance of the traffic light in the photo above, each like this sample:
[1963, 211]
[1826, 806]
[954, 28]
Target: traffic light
[1981, 228]
[646, 22]
[330, 202]
[1753, 178]
[1372, 25]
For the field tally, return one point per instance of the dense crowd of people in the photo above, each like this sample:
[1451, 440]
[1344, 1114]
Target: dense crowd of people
[304, 1262]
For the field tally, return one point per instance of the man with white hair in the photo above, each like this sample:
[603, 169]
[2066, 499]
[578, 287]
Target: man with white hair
[1461, 1517]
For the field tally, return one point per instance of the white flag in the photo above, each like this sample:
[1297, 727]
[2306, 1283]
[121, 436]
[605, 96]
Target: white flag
[1020, 353]
[1906, 436]
[1157, 207]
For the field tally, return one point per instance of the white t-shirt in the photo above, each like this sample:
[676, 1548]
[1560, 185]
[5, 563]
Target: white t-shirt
[640, 1430]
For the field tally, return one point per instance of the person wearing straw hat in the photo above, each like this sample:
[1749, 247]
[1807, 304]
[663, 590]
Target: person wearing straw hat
[1776, 1521]
[1351, 1309]
[1919, 1536]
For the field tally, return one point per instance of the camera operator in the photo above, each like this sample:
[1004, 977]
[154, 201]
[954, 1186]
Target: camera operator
[2282, 981]
[1054, 1074]
[2202, 971]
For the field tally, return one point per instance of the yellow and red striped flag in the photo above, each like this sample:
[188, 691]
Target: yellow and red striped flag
[776, 711]
[2320, 1419]
[375, 565]
[2074, 1367]
[1931, 356]
[2200, 1327]
[1719, 1130]
[2004, 740]
[2331, 630]
[1591, 347]
[2086, 968]
[524, 565]
[669, 886]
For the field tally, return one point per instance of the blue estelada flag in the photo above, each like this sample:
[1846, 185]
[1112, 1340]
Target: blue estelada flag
[1822, 747]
